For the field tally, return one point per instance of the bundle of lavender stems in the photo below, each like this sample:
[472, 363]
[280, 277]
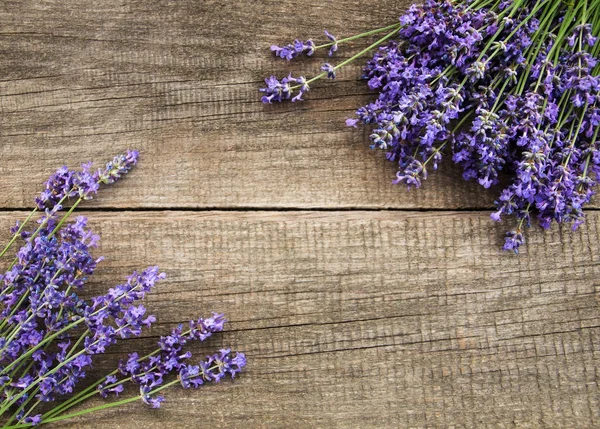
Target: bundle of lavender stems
[49, 334]
[508, 89]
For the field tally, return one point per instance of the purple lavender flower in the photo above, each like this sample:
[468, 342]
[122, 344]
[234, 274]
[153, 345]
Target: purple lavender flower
[334, 47]
[67, 184]
[110, 385]
[277, 91]
[299, 47]
[329, 69]
[293, 50]
[149, 372]
[147, 398]
[514, 240]
[119, 166]
[33, 420]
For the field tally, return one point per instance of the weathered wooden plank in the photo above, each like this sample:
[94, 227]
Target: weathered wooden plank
[178, 80]
[368, 319]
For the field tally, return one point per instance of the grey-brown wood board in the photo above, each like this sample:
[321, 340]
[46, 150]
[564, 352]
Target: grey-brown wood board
[358, 303]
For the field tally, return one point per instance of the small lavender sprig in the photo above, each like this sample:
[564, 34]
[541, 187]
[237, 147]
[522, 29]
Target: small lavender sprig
[278, 91]
[298, 47]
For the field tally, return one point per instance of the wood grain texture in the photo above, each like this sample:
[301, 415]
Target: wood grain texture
[368, 319]
[82, 80]
[379, 318]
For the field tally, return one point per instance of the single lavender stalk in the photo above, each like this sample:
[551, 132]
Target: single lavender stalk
[298, 47]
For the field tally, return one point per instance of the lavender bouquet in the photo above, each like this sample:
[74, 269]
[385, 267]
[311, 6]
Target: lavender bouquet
[49, 334]
[509, 89]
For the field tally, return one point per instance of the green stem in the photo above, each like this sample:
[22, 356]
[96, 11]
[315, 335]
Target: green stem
[476, 5]
[349, 60]
[358, 36]
[499, 96]
[520, 225]
[435, 151]
[587, 161]
[93, 409]
[81, 398]
[565, 28]
[66, 216]
[462, 121]
[574, 138]
[87, 394]
[18, 233]
[104, 406]
[38, 402]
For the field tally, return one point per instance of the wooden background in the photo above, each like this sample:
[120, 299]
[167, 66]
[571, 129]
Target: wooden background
[358, 303]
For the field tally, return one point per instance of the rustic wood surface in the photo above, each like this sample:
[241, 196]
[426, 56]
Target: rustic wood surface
[358, 303]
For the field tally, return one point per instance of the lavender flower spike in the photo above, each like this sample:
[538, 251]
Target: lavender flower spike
[66, 184]
[120, 165]
[293, 50]
[277, 91]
